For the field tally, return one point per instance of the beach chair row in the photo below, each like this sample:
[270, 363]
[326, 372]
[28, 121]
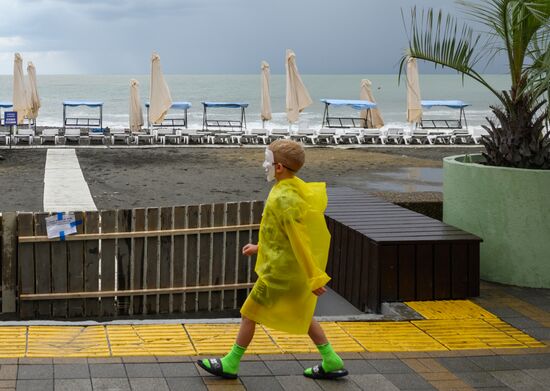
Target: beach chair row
[255, 136]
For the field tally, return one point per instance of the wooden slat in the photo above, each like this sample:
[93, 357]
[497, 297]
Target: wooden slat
[25, 260]
[330, 262]
[257, 211]
[151, 266]
[179, 259]
[243, 261]
[407, 273]
[42, 258]
[358, 273]
[459, 270]
[137, 261]
[205, 256]
[351, 262]
[343, 265]
[124, 246]
[91, 263]
[59, 273]
[231, 254]
[424, 272]
[473, 269]
[217, 257]
[337, 256]
[8, 259]
[442, 272]
[75, 266]
[166, 266]
[108, 254]
[388, 273]
[192, 258]
[373, 297]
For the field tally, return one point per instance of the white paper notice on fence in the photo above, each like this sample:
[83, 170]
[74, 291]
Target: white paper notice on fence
[61, 225]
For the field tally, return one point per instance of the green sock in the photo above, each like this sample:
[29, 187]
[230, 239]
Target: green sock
[231, 360]
[331, 360]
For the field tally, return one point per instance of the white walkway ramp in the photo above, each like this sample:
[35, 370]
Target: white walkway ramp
[64, 186]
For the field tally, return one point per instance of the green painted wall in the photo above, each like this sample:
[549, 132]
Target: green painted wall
[509, 209]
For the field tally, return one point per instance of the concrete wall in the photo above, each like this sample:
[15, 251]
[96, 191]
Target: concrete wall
[510, 210]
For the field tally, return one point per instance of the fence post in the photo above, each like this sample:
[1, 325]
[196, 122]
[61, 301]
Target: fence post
[9, 261]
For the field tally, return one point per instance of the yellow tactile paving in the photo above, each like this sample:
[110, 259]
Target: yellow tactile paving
[450, 309]
[67, 341]
[527, 340]
[390, 336]
[471, 334]
[219, 338]
[13, 341]
[149, 340]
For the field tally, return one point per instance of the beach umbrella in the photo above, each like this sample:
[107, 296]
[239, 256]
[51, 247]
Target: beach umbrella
[414, 105]
[20, 102]
[136, 113]
[160, 99]
[266, 99]
[32, 92]
[297, 97]
[365, 93]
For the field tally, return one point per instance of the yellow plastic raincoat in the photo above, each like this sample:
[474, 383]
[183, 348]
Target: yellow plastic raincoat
[292, 256]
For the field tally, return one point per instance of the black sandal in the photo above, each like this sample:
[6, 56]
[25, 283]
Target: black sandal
[317, 372]
[216, 368]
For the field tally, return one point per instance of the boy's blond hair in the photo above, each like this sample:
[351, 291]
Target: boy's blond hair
[289, 153]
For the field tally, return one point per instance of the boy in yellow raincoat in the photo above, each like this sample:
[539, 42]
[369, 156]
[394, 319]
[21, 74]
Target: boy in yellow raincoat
[292, 256]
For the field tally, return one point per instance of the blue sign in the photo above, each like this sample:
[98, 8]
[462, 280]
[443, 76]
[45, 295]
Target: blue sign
[10, 118]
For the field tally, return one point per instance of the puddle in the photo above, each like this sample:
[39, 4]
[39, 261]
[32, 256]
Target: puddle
[403, 180]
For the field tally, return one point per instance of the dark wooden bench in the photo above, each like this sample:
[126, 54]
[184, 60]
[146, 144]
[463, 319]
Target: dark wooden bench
[381, 252]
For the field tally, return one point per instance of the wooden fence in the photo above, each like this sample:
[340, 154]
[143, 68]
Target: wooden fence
[132, 262]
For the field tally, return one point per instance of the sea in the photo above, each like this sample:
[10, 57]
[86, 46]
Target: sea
[390, 94]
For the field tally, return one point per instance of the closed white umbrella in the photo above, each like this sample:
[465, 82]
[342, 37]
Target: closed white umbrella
[160, 99]
[297, 97]
[365, 93]
[136, 112]
[414, 104]
[32, 92]
[20, 102]
[266, 99]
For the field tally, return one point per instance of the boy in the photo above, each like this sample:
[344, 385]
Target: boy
[292, 256]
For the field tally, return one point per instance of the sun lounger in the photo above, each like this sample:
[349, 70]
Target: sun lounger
[23, 134]
[97, 134]
[50, 135]
[74, 134]
[463, 136]
[351, 136]
[146, 136]
[167, 134]
[5, 137]
[277, 134]
[422, 136]
[327, 135]
[373, 135]
[397, 136]
[303, 135]
[254, 135]
[119, 135]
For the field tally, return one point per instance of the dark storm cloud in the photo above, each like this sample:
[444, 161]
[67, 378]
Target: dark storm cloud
[214, 36]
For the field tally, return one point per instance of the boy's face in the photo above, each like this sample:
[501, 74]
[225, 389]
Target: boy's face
[269, 165]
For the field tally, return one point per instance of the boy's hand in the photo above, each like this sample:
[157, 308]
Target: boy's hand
[319, 291]
[250, 249]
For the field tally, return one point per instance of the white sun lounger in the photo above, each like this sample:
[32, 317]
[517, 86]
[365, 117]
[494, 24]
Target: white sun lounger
[119, 135]
[74, 134]
[351, 136]
[168, 134]
[97, 135]
[146, 136]
[463, 136]
[254, 135]
[50, 135]
[24, 134]
[397, 136]
[303, 135]
[327, 135]
[5, 137]
[277, 134]
[373, 135]
[422, 136]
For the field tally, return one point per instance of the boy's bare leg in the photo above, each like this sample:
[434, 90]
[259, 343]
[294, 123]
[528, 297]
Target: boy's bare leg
[231, 361]
[332, 363]
[246, 332]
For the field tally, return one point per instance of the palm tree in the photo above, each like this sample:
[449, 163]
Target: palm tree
[518, 29]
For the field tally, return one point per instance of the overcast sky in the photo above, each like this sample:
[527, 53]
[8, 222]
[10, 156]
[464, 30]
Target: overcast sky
[206, 36]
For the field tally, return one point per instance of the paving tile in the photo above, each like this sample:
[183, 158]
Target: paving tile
[356, 367]
[107, 370]
[276, 357]
[408, 381]
[282, 368]
[143, 370]
[104, 360]
[139, 359]
[216, 381]
[71, 360]
[71, 371]
[459, 364]
[169, 359]
[148, 384]
[377, 355]
[42, 371]
[479, 379]
[35, 385]
[522, 323]
[101, 384]
[8, 361]
[253, 368]
[343, 384]
[295, 383]
[35, 361]
[73, 385]
[424, 365]
[540, 333]
[542, 375]
[373, 382]
[5, 384]
[526, 361]
[180, 369]
[519, 380]
[390, 366]
[429, 376]
[8, 372]
[504, 312]
[494, 363]
[261, 383]
[186, 384]
[448, 385]
[221, 387]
